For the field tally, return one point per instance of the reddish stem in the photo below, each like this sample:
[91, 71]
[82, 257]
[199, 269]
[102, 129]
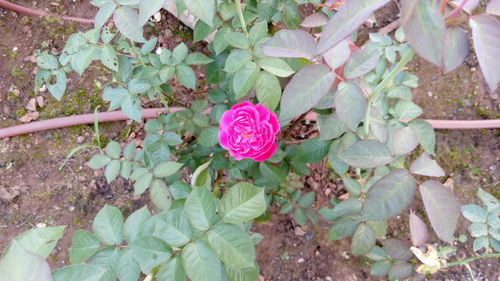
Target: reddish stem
[150, 113]
[457, 9]
[37, 13]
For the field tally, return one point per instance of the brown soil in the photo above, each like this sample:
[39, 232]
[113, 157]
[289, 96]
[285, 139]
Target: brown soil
[35, 191]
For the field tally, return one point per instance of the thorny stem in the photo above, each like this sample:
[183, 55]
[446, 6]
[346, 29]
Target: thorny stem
[381, 87]
[471, 259]
[242, 18]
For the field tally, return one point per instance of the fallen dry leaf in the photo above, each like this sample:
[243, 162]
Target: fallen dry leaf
[29, 117]
[31, 105]
[40, 101]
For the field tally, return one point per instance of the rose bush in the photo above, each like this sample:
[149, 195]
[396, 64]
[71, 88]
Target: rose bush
[249, 131]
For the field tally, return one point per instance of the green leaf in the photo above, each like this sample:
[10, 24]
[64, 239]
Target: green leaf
[166, 169]
[201, 176]
[266, 9]
[127, 269]
[426, 135]
[173, 227]
[442, 208]
[108, 57]
[200, 207]
[201, 31]
[330, 127]
[363, 240]
[400, 271]
[138, 86]
[345, 21]
[426, 166]
[307, 199]
[350, 104]
[98, 161]
[456, 48]
[237, 40]
[113, 149]
[173, 270]
[425, 29]
[236, 60]
[389, 196]
[344, 227]
[275, 66]
[186, 76]
[247, 274]
[406, 110]
[40, 241]
[300, 217]
[127, 21]
[160, 195]
[478, 229]
[197, 59]
[489, 201]
[57, 90]
[366, 154]
[147, 8]
[312, 150]
[479, 243]
[486, 37]
[363, 61]
[244, 79]
[82, 59]
[403, 141]
[290, 15]
[149, 252]
[305, 90]
[271, 172]
[209, 137]
[232, 245]
[380, 268]
[258, 32]
[83, 245]
[290, 44]
[204, 10]
[351, 206]
[133, 223]
[397, 249]
[241, 203]
[105, 11]
[352, 185]
[143, 183]
[18, 264]
[268, 90]
[180, 190]
[115, 96]
[108, 225]
[149, 46]
[200, 262]
[112, 170]
[78, 272]
[47, 61]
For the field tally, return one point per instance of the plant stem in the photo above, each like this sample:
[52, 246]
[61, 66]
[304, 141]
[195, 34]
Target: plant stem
[457, 9]
[242, 18]
[471, 259]
[136, 54]
[381, 87]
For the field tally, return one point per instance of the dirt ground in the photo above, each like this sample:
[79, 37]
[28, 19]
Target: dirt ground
[34, 191]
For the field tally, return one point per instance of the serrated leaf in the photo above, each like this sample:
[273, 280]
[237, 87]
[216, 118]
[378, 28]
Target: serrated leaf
[363, 240]
[403, 140]
[237, 40]
[40, 241]
[380, 268]
[200, 207]
[275, 66]
[143, 183]
[133, 223]
[173, 270]
[149, 252]
[478, 229]
[241, 203]
[268, 90]
[363, 61]
[401, 271]
[418, 230]
[345, 21]
[82, 58]
[197, 59]
[98, 161]
[350, 104]
[312, 150]
[290, 44]
[108, 57]
[330, 127]
[366, 154]
[47, 61]
[442, 208]
[426, 135]
[200, 262]
[108, 225]
[75, 272]
[344, 227]
[186, 76]
[127, 21]
[209, 137]
[57, 90]
[166, 169]
[202, 9]
[232, 245]
[244, 79]
[397, 249]
[160, 195]
[305, 90]
[127, 268]
[486, 38]
[105, 11]
[389, 196]
[426, 166]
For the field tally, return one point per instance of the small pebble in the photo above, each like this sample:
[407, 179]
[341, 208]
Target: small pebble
[80, 139]
[41, 224]
[328, 278]
[308, 236]
[300, 260]
[71, 208]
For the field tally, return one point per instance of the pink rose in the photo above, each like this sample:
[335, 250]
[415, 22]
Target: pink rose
[249, 131]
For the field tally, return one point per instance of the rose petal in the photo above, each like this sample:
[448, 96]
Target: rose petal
[263, 157]
[223, 141]
[226, 120]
